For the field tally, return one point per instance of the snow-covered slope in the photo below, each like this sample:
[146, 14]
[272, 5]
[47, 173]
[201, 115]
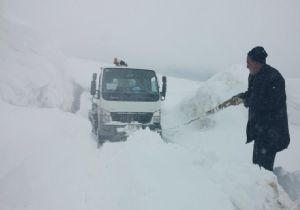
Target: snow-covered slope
[32, 71]
[49, 159]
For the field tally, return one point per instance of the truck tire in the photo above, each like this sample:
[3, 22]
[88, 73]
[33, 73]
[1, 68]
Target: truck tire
[155, 127]
[94, 122]
[101, 139]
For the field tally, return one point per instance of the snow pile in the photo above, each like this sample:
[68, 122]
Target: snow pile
[82, 70]
[41, 166]
[32, 71]
[290, 182]
[54, 158]
[214, 91]
[293, 100]
[168, 176]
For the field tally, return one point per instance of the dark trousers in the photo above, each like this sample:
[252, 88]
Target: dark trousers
[263, 156]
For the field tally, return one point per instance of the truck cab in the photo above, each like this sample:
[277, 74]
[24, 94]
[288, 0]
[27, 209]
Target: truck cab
[126, 98]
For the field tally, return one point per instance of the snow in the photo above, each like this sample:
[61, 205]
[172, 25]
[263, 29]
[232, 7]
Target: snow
[33, 72]
[50, 160]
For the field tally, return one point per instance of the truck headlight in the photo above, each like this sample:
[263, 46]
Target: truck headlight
[105, 116]
[156, 117]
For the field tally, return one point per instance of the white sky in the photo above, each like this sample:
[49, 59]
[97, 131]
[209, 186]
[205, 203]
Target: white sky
[179, 35]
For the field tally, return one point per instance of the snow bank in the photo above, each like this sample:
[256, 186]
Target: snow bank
[82, 70]
[48, 164]
[32, 71]
[293, 100]
[290, 182]
[214, 91]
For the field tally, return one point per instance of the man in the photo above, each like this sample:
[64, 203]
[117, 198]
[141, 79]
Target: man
[267, 119]
[135, 85]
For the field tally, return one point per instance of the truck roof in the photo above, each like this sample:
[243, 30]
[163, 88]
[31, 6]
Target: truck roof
[123, 67]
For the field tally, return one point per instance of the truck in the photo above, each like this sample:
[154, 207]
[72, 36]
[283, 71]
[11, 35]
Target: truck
[125, 99]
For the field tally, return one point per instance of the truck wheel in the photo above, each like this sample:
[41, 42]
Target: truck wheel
[94, 122]
[101, 139]
[95, 127]
[155, 127]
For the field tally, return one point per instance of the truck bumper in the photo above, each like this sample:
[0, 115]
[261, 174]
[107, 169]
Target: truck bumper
[112, 131]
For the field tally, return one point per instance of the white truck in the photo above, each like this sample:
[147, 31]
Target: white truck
[126, 98]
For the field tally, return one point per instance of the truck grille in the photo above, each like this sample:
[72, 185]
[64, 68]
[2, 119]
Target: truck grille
[141, 117]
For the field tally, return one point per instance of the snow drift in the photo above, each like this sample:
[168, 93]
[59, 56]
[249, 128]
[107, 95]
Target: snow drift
[32, 71]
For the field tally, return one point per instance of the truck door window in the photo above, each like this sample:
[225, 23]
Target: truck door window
[154, 85]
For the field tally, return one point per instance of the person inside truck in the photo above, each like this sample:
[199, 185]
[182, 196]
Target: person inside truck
[135, 85]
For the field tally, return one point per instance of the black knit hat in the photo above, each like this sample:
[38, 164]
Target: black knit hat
[258, 54]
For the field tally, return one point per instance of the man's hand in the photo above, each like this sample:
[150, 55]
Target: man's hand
[235, 100]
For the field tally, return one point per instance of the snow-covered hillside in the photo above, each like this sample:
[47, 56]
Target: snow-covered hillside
[49, 159]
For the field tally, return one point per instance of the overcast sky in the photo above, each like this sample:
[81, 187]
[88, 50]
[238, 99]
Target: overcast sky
[190, 35]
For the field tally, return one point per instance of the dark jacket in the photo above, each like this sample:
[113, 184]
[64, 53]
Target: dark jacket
[266, 99]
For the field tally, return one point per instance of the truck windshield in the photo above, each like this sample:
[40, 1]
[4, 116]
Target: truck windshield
[129, 85]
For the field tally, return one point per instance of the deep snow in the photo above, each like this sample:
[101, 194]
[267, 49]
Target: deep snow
[49, 159]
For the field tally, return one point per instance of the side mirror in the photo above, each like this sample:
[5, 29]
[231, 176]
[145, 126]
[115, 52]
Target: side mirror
[164, 88]
[93, 85]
